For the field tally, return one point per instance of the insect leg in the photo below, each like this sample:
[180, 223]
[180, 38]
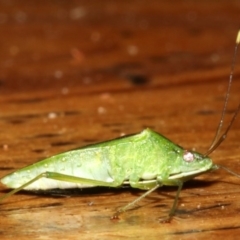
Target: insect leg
[178, 183]
[61, 177]
[129, 205]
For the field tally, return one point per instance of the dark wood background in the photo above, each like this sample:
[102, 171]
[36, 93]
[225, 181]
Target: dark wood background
[79, 72]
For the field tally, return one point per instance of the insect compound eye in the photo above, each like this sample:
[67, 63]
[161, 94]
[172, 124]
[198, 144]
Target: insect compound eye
[188, 156]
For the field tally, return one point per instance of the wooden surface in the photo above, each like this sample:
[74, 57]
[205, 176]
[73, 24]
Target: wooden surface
[80, 72]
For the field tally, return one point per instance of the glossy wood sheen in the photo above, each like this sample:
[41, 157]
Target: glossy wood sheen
[79, 72]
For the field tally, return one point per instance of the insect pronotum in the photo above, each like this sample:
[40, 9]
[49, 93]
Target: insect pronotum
[146, 160]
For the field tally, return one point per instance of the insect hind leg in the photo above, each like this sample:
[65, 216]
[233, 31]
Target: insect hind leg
[61, 177]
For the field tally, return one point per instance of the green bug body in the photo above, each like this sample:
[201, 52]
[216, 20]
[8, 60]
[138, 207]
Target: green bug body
[146, 161]
[116, 162]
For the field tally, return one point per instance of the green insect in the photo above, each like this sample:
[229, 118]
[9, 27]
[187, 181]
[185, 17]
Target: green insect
[146, 161]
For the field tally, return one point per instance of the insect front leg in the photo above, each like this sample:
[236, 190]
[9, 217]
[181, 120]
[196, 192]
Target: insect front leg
[172, 182]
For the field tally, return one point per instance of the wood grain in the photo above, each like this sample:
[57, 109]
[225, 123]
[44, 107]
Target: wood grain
[80, 72]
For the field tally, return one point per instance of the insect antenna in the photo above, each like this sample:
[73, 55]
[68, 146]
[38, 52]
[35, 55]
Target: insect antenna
[218, 140]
